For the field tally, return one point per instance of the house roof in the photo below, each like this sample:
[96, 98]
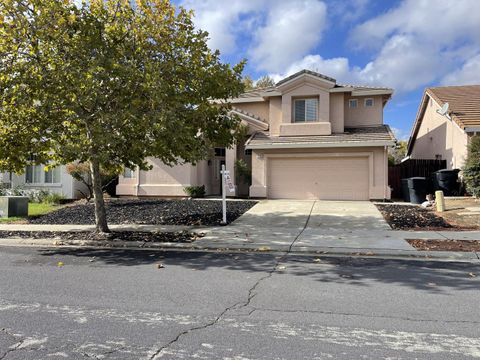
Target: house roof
[464, 107]
[464, 102]
[307, 72]
[251, 118]
[260, 94]
[380, 135]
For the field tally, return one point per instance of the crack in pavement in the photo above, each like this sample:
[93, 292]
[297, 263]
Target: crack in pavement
[13, 348]
[240, 304]
[361, 315]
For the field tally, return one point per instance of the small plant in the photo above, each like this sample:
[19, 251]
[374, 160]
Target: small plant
[53, 199]
[195, 191]
[471, 170]
[243, 172]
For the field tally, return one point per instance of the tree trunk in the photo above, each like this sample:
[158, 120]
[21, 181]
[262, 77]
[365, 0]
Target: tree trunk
[100, 213]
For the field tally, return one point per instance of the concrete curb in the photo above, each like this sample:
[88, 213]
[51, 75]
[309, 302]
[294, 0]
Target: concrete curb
[243, 248]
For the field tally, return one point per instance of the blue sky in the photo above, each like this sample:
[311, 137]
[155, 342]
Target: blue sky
[404, 44]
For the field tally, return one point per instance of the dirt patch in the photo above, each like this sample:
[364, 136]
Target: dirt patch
[462, 212]
[155, 212]
[142, 236]
[405, 217]
[445, 245]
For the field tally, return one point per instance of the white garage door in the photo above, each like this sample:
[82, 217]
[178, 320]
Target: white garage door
[336, 178]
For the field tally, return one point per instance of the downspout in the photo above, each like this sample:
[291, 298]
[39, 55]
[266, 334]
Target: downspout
[385, 172]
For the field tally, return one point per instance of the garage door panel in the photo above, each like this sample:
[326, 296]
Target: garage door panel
[335, 178]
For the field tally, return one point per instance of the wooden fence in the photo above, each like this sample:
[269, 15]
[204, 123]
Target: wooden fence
[411, 168]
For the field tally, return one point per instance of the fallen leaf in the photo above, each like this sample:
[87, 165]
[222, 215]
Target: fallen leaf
[472, 274]
[317, 260]
[60, 264]
[431, 284]
[160, 266]
[263, 248]
[281, 268]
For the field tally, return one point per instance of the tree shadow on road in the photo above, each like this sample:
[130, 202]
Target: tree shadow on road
[430, 276]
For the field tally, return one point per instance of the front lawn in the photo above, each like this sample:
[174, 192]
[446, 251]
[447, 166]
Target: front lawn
[34, 210]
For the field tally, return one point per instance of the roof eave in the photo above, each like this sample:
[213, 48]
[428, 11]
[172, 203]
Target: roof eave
[319, 145]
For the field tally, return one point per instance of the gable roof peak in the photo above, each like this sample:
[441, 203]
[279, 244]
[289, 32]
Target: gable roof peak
[306, 72]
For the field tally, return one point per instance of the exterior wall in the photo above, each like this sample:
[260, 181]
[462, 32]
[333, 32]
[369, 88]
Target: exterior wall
[337, 112]
[275, 115]
[306, 90]
[261, 109]
[68, 187]
[439, 136]
[362, 115]
[304, 129]
[378, 173]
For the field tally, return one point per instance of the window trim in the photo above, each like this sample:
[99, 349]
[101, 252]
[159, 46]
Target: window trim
[132, 172]
[365, 102]
[351, 101]
[294, 120]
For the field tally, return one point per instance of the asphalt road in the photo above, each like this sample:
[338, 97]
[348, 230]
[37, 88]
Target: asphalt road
[113, 304]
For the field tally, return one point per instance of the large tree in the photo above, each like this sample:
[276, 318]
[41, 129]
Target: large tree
[109, 83]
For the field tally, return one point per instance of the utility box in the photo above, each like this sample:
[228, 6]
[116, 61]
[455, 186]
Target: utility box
[11, 206]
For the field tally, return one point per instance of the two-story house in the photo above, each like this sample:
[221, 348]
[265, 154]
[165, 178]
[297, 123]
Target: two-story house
[308, 138]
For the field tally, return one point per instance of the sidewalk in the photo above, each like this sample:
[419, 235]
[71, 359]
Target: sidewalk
[235, 237]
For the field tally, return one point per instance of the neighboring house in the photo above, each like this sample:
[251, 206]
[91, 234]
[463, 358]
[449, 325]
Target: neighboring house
[56, 180]
[445, 137]
[309, 138]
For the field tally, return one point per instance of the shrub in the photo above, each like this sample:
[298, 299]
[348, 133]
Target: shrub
[81, 172]
[471, 170]
[243, 172]
[53, 198]
[195, 191]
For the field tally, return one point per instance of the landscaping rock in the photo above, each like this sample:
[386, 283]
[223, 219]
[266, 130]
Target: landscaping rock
[139, 236]
[406, 217]
[155, 212]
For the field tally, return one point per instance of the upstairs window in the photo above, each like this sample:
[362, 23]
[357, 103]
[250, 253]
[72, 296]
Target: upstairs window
[305, 110]
[352, 103]
[369, 102]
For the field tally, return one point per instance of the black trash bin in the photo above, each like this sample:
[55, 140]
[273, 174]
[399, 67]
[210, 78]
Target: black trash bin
[417, 187]
[405, 190]
[447, 181]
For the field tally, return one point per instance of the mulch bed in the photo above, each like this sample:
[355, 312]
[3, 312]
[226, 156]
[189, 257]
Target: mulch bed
[445, 245]
[143, 236]
[155, 212]
[405, 217]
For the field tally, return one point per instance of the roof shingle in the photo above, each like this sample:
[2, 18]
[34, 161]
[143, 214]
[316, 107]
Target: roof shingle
[464, 102]
[360, 135]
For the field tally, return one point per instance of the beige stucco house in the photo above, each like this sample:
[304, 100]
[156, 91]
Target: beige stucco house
[445, 136]
[308, 138]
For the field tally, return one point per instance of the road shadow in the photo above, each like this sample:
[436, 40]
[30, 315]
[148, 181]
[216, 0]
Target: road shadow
[430, 276]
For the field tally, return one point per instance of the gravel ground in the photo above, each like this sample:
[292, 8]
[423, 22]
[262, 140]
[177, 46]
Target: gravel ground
[404, 217]
[182, 236]
[445, 245]
[155, 212]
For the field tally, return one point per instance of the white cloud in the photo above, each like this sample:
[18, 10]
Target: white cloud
[291, 30]
[469, 73]
[401, 135]
[439, 22]
[224, 21]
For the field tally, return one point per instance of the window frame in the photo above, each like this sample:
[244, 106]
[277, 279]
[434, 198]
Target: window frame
[39, 175]
[367, 99]
[351, 101]
[305, 99]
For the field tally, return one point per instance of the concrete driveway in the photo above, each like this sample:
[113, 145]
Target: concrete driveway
[312, 224]
[333, 215]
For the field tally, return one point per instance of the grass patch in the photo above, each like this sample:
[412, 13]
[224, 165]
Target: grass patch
[34, 210]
